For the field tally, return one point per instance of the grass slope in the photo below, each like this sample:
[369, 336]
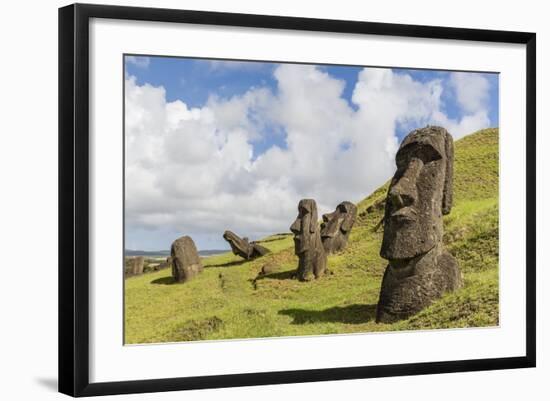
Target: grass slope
[229, 301]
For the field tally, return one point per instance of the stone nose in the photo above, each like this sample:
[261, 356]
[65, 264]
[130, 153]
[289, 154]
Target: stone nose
[327, 217]
[400, 200]
[403, 193]
[296, 226]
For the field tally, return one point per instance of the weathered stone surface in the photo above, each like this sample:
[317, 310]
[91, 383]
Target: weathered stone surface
[186, 262]
[312, 259]
[259, 250]
[337, 226]
[420, 270]
[269, 268]
[243, 248]
[136, 265]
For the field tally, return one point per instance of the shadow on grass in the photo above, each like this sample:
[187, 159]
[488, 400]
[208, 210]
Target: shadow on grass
[164, 280]
[351, 314]
[287, 275]
[227, 264]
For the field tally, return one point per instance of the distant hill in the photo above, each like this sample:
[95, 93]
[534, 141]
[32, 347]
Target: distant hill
[229, 300]
[134, 252]
[207, 252]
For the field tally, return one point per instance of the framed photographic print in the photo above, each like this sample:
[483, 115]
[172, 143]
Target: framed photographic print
[251, 199]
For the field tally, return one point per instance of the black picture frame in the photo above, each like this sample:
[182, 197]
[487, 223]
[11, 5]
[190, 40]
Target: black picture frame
[74, 198]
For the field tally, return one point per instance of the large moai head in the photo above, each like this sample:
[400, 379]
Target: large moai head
[420, 193]
[337, 225]
[307, 241]
[186, 262]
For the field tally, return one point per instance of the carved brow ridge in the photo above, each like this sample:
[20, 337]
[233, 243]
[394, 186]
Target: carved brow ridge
[424, 151]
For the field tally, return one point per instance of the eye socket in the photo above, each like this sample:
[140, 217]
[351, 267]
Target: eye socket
[303, 211]
[424, 152]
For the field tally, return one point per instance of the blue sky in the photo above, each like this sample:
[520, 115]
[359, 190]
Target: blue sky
[258, 118]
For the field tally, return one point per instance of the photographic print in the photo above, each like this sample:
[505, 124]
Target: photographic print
[267, 199]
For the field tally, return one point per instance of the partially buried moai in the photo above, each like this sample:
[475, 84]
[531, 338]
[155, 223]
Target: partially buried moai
[136, 265]
[337, 226]
[312, 259]
[242, 247]
[420, 270]
[186, 262]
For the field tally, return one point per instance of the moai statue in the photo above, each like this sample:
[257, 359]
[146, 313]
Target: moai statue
[307, 242]
[136, 265]
[420, 270]
[243, 248]
[336, 227]
[186, 262]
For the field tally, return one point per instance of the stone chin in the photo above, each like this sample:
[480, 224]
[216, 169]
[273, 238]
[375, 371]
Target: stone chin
[408, 286]
[406, 245]
[298, 249]
[406, 238]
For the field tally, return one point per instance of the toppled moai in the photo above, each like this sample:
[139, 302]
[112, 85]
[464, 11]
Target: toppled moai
[420, 270]
[186, 262]
[337, 226]
[243, 248]
[312, 259]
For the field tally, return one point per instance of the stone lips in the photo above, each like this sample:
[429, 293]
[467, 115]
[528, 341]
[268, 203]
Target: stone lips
[312, 259]
[243, 248]
[337, 226]
[420, 193]
[186, 262]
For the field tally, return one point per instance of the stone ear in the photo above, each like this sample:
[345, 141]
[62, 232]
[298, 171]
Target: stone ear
[449, 171]
[313, 219]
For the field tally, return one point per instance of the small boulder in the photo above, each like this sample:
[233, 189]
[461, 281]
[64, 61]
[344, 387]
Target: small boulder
[269, 268]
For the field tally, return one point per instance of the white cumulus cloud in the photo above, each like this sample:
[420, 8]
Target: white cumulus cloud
[138, 61]
[193, 170]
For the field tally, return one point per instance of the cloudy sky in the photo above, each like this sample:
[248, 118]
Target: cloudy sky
[216, 145]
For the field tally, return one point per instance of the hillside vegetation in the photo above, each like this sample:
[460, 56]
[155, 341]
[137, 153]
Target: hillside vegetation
[230, 300]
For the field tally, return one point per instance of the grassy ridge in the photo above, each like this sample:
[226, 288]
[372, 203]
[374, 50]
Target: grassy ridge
[229, 300]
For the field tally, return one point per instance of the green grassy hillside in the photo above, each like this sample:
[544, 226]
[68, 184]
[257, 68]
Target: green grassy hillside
[229, 300]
